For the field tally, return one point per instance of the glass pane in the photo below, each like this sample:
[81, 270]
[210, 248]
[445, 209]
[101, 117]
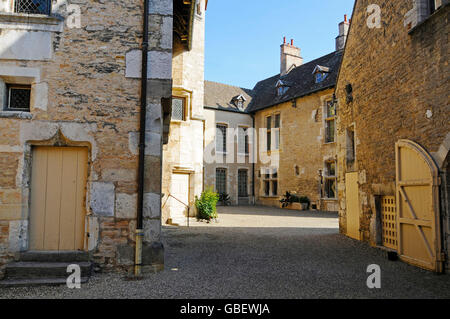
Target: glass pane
[267, 188]
[330, 188]
[178, 109]
[277, 120]
[269, 122]
[331, 109]
[33, 6]
[330, 131]
[221, 181]
[331, 168]
[221, 138]
[242, 183]
[19, 98]
[269, 141]
[274, 188]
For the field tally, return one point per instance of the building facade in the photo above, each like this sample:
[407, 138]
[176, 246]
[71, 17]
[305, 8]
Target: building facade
[70, 90]
[393, 129]
[295, 120]
[228, 164]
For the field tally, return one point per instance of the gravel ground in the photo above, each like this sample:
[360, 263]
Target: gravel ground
[260, 253]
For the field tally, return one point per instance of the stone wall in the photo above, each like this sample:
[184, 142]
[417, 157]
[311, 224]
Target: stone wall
[303, 151]
[400, 91]
[86, 92]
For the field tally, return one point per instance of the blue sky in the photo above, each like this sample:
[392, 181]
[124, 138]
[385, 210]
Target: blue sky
[243, 37]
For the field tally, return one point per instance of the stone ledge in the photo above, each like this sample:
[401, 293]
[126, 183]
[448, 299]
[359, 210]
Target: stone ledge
[32, 22]
[16, 115]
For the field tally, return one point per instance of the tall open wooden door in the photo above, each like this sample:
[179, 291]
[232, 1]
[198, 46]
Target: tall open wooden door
[352, 205]
[58, 188]
[418, 222]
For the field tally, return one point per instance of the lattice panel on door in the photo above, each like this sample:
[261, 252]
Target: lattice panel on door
[389, 221]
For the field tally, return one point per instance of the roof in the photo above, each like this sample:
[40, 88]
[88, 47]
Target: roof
[220, 96]
[300, 80]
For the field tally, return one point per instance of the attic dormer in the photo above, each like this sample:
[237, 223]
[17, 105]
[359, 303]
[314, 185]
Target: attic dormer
[281, 87]
[239, 102]
[320, 73]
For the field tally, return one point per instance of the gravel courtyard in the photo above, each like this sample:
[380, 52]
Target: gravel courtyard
[258, 252]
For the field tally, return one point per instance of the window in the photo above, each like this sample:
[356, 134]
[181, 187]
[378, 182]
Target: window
[269, 133]
[242, 183]
[276, 132]
[320, 77]
[270, 182]
[178, 109]
[33, 6]
[18, 97]
[243, 140]
[221, 180]
[351, 152]
[330, 122]
[221, 138]
[434, 5]
[330, 179]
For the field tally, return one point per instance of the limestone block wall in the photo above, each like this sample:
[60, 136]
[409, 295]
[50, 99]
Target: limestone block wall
[302, 145]
[86, 92]
[233, 121]
[400, 91]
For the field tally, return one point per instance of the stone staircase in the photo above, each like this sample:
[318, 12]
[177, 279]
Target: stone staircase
[45, 268]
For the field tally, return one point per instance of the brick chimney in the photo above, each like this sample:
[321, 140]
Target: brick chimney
[343, 32]
[290, 56]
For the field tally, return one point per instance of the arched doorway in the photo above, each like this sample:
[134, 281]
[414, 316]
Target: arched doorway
[418, 209]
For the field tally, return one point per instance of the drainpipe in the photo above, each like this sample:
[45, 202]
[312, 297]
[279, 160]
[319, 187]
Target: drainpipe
[255, 157]
[142, 129]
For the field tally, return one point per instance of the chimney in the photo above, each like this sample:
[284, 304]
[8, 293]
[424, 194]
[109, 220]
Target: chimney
[290, 56]
[343, 32]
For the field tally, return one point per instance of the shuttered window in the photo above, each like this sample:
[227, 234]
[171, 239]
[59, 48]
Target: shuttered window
[221, 138]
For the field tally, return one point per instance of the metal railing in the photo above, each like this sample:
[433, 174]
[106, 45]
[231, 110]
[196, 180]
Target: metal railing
[33, 6]
[186, 205]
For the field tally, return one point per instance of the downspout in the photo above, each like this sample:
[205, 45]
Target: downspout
[255, 157]
[142, 129]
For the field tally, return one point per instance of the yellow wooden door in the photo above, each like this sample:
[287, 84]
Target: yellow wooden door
[417, 191]
[352, 205]
[58, 188]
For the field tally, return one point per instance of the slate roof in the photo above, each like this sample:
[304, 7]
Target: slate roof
[300, 80]
[220, 96]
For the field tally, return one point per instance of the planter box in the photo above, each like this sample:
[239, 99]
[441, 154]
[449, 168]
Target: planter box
[297, 206]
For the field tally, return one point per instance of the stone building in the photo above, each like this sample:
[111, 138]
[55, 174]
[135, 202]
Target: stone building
[393, 129]
[70, 91]
[292, 142]
[295, 118]
[183, 154]
[228, 166]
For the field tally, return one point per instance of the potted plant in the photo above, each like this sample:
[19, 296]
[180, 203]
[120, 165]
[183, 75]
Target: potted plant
[207, 205]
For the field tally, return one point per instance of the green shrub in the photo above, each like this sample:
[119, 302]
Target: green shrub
[207, 204]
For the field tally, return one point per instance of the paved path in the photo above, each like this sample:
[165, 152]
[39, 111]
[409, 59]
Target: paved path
[262, 253]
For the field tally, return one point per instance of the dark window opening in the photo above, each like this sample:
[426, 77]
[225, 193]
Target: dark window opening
[33, 6]
[18, 98]
[243, 183]
[221, 181]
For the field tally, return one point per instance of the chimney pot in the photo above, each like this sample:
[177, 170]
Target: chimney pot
[284, 40]
[292, 42]
[345, 18]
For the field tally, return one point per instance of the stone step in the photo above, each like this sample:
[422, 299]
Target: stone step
[53, 256]
[36, 270]
[30, 282]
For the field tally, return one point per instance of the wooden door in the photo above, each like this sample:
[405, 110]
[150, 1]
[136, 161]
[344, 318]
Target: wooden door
[352, 205]
[418, 222]
[180, 198]
[58, 188]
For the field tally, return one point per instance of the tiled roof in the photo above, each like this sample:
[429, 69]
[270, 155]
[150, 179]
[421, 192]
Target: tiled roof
[300, 80]
[220, 96]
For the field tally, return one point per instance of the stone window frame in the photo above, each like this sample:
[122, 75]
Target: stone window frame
[272, 131]
[23, 76]
[421, 12]
[184, 116]
[329, 177]
[327, 119]
[7, 101]
[246, 140]
[269, 176]
[224, 143]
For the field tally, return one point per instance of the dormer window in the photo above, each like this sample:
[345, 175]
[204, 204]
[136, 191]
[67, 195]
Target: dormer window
[281, 88]
[239, 101]
[320, 73]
